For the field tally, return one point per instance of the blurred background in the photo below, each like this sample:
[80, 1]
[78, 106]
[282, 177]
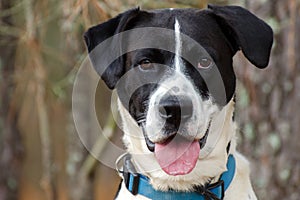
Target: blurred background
[41, 49]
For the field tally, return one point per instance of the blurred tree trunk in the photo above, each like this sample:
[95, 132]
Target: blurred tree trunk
[10, 141]
[269, 105]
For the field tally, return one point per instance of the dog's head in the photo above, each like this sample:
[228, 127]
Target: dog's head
[173, 73]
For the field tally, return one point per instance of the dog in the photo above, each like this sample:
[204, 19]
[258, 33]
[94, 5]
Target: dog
[173, 73]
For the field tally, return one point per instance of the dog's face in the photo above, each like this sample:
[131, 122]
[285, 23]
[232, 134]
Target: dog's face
[175, 73]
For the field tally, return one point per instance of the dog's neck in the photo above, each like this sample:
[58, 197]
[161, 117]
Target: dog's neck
[207, 170]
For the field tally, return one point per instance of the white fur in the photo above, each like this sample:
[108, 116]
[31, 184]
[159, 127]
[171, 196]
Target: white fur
[178, 45]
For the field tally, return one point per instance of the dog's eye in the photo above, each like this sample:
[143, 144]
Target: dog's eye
[145, 63]
[205, 63]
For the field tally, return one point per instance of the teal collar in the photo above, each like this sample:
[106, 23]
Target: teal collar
[139, 184]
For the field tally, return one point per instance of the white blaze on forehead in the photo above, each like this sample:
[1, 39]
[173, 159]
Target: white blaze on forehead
[178, 45]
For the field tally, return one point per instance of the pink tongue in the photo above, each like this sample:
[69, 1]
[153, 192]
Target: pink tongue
[177, 158]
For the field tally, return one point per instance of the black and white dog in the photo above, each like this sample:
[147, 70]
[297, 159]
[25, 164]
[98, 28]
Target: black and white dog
[172, 70]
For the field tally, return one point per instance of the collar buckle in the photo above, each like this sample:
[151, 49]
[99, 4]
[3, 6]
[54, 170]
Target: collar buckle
[131, 177]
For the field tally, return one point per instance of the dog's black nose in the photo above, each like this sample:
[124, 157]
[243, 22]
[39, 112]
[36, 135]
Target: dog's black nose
[175, 108]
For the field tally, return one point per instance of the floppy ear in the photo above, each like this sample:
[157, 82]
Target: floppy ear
[245, 32]
[98, 34]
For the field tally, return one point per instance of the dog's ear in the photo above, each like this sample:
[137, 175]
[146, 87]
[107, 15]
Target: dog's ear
[109, 72]
[245, 32]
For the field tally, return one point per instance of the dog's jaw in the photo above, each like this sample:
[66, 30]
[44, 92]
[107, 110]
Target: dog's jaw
[206, 168]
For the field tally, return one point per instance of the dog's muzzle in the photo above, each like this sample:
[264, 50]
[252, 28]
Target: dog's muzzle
[175, 111]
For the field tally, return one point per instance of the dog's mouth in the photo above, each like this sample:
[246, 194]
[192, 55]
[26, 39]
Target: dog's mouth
[177, 155]
[151, 145]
